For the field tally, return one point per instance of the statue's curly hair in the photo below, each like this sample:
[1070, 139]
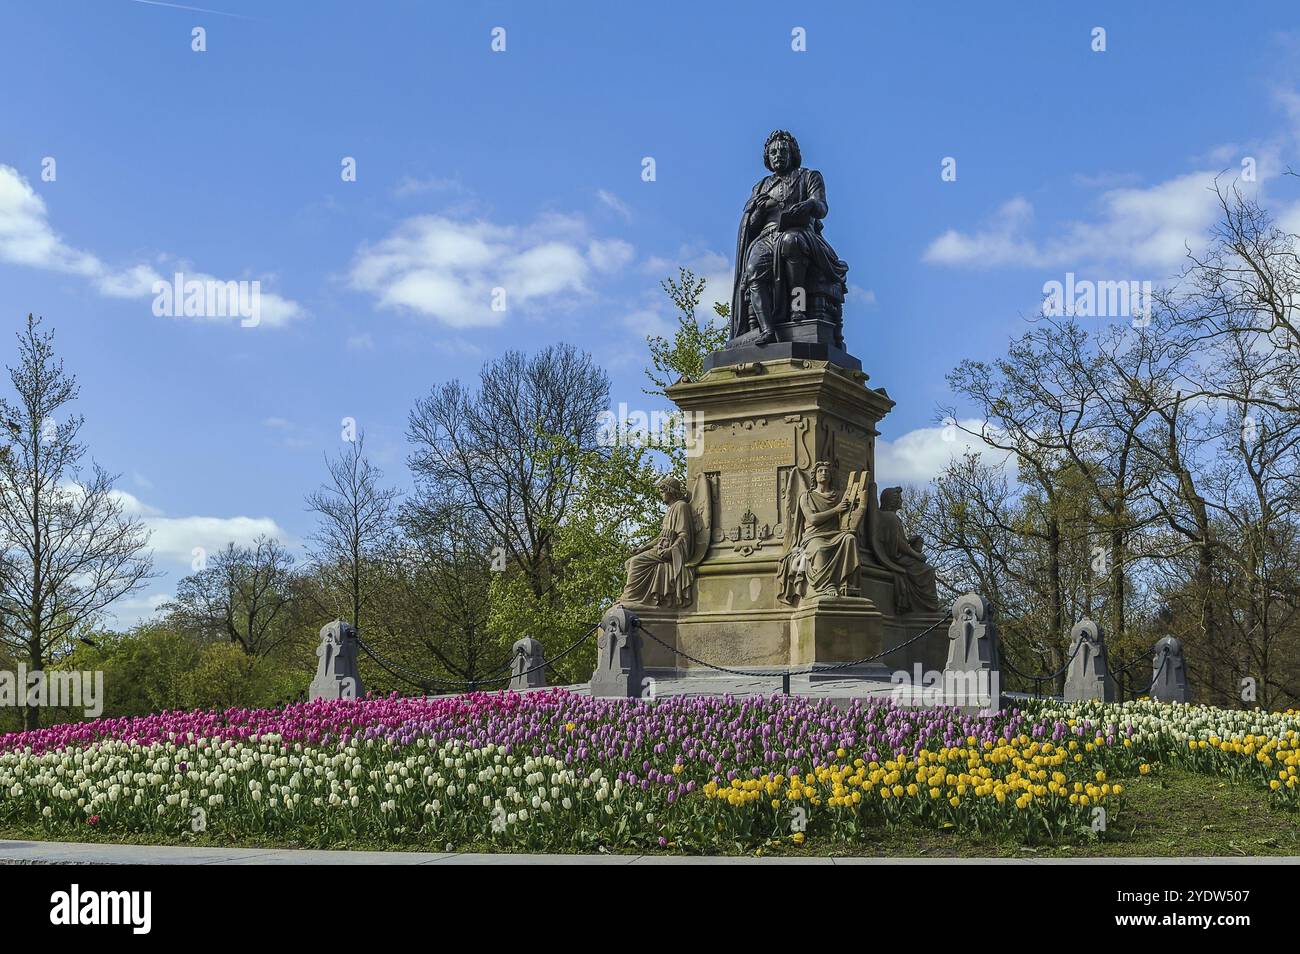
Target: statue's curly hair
[795, 155]
[673, 486]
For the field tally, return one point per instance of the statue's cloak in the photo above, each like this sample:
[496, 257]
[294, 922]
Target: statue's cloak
[815, 560]
[914, 580]
[807, 185]
[655, 582]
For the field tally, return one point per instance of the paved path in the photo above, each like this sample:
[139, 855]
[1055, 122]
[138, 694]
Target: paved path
[57, 852]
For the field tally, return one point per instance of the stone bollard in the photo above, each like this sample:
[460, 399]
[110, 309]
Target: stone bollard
[1168, 673]
[618, 670]
[972, 676]
[528, 656]
[1088, 676]
[337, 676]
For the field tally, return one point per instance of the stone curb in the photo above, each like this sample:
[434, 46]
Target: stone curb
[66, 853]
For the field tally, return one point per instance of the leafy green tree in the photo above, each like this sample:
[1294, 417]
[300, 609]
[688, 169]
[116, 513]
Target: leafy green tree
[615, 506]
[694, 339]
[436, 593]
[245, 595]
[224, 675]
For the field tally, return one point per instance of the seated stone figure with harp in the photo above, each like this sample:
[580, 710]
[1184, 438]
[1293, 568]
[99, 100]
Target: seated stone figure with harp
[821, 538]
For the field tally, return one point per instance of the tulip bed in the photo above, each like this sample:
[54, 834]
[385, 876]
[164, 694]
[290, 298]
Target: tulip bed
[1261, 748]
[557, 771]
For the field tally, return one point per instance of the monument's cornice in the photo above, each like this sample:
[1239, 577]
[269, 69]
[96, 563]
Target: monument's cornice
[786, 385]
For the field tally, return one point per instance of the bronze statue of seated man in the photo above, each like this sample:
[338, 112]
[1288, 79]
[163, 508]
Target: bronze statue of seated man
[781, 257]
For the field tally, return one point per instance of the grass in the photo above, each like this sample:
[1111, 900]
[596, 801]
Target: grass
[1170, 813]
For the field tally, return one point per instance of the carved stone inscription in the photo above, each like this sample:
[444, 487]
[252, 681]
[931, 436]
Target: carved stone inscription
[854, 454]
[747, 462]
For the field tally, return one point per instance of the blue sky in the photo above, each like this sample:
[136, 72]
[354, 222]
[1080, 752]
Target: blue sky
[522, 169]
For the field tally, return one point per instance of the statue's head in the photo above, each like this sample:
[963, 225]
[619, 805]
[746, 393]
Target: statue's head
[671, 489]
[781, 152]
[891, 498]
[823, 471]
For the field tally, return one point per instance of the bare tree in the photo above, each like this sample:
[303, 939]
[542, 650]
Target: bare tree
[1174, 442]
[438, 577]
[494, 450]
[356, 513]
[69, 547]
[244, 595]
[1245, 284]
[1024, 413]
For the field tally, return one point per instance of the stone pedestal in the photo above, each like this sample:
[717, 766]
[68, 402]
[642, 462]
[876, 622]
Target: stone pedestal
[835, 629]
[810, 339]
[619, 671]
[972, 678]
[757, 422]
[1168, 673]
[527, 665]
[337, 676]
[1087, 677]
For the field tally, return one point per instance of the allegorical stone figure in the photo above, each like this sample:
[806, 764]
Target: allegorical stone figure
[914, 584]
[823, 556]
[782, 261]
[661, 573]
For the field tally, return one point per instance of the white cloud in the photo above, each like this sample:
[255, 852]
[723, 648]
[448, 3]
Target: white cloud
[863, 297]
[1147, 228]
[448, 269]
[610, 255]
[28, 239]
[25, 234]
[174, 539]
[921, 455]
[361, 342]
[544, 270]
[614, 202]
[131, 505]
